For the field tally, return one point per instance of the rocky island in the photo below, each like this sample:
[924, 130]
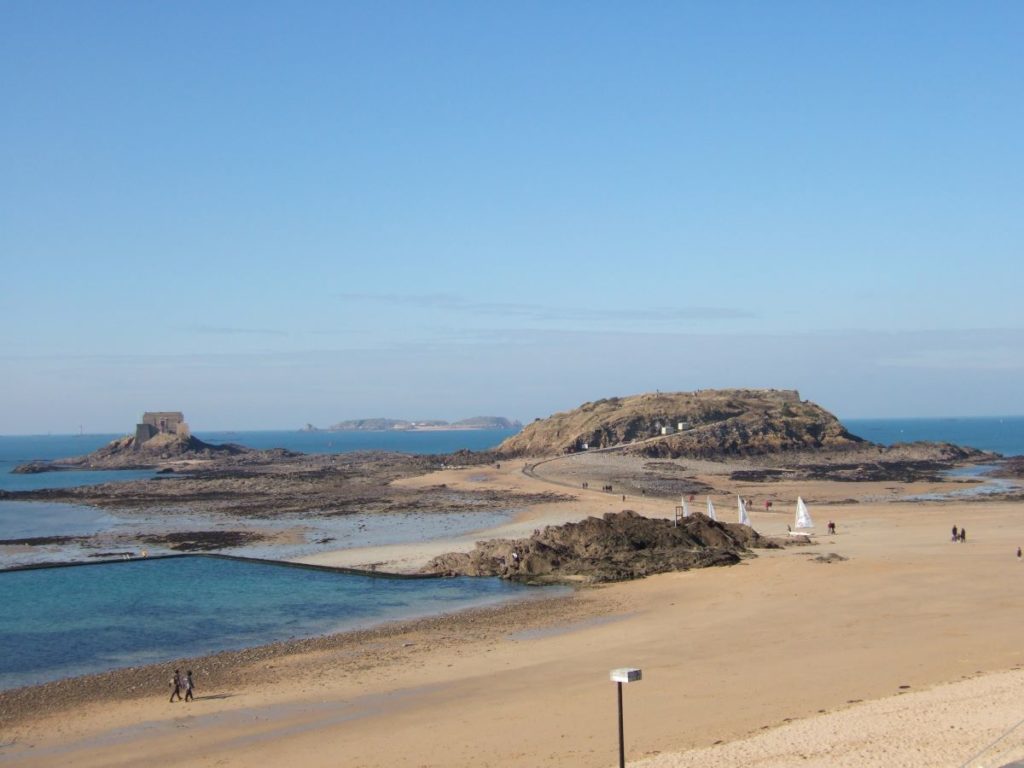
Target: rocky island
[769, 434]
[712, 423]
[405, 425]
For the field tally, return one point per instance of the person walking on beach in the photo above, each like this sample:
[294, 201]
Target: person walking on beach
[176, 685]
[1018, 553]
[188, 685]
[956, 534]
[963, 535]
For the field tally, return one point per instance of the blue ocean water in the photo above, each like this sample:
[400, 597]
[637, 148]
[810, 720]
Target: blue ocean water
[15, 450]
[22, 449]
[1001, 435]
[426, 441]
[145, 611]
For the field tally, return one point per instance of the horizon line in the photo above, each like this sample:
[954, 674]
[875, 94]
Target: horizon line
[525, 423]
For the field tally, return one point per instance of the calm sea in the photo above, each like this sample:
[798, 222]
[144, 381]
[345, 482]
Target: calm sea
[1000, 435]
[60, 622]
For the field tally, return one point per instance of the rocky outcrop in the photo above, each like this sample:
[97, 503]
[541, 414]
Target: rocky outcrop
[702, 424]
[616, 547]
[278, 483]
[1012, 467]
[904, 463]
[128, 453]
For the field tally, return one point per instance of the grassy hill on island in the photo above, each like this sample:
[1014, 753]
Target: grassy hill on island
[707, 423]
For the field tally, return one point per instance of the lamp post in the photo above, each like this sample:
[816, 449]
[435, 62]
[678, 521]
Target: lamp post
[620, 676]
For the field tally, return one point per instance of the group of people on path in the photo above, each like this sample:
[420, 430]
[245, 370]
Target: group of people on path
[181, 682]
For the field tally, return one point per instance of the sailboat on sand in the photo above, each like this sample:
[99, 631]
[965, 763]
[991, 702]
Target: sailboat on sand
[744, 517]
[711, 509]
[803, 519]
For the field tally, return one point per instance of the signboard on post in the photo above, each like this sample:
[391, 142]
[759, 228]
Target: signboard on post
[620, 676]
[626, 675]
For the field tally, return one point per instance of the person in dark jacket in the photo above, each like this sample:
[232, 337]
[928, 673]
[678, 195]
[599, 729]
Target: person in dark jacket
[176, 685]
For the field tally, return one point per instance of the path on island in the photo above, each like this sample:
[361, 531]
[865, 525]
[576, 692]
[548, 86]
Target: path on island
[530, 470]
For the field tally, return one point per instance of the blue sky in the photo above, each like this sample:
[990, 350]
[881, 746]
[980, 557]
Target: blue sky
[266, 215]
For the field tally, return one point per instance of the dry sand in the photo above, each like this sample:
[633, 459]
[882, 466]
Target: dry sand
[904, 654]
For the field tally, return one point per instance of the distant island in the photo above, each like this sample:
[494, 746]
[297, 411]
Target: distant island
[404, 425]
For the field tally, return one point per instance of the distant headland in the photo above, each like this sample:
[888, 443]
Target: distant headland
[404, 425]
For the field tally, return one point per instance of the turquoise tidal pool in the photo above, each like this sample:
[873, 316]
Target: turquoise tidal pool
[67, 621]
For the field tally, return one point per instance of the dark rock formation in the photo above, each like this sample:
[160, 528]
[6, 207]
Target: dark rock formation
[279, 483]
[619, 546]
[128, 453]
[904, 463]
[202, 541]
[1013, 467]
[831, 557]
[36, 467]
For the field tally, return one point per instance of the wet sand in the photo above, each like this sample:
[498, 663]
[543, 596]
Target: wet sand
[785, 659]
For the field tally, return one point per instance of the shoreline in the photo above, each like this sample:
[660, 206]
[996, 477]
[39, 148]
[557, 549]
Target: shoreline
[272, 681]
[229, 669]
[729, 654]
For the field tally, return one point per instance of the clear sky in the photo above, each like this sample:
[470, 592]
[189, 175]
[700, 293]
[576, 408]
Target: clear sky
[267, 214]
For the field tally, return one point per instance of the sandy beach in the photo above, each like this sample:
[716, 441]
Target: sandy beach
[904, 653]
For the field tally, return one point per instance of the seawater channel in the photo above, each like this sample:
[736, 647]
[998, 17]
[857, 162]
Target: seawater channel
[79, 533]
[986, 485]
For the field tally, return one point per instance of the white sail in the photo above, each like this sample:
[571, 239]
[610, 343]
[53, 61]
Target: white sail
[711, 509]
[744, 517]
[686, 508]
[803, 517]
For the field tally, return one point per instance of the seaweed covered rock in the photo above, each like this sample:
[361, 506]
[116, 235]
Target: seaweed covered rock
[616, 547]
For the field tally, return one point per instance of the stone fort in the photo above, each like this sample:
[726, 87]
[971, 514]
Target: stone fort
[160, 423]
